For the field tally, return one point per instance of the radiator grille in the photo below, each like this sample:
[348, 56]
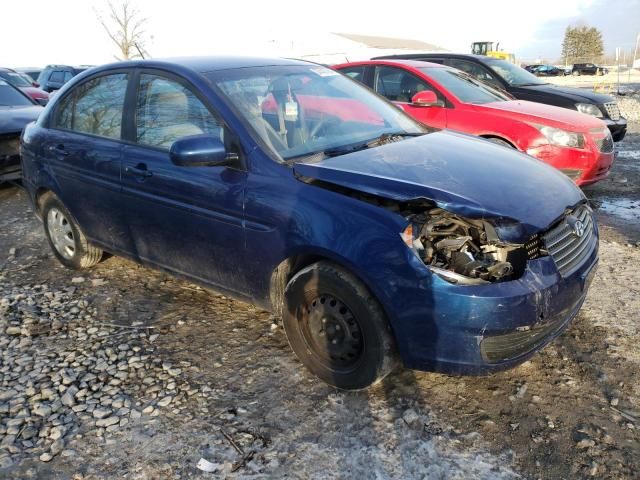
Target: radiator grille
[612, 110]
[571, 242]
[605, 145]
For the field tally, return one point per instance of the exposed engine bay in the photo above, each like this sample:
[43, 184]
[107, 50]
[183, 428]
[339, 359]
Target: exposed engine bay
[463, 251]
[9, 157]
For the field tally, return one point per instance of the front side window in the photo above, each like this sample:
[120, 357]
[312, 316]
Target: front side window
[512, 74]
[67, 76]
[464, 87]
[94, 107]
[475, 70]
[357, 73]
[167, 111]
[398, 85]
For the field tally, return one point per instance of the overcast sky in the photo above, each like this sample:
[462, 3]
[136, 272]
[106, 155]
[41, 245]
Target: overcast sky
[35, 32]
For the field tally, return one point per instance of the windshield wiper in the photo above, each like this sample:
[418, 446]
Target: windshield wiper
[529, 84]
[351, 147]
[374, 142]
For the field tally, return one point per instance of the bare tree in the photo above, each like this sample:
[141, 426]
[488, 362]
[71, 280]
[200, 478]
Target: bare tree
[125, 26]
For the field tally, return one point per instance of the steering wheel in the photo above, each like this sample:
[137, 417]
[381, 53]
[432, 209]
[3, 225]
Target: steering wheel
[324, 121]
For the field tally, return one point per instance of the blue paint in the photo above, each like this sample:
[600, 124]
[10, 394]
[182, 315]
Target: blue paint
[230, 227]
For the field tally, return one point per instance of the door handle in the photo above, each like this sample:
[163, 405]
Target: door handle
[140, 170]
[58, 150]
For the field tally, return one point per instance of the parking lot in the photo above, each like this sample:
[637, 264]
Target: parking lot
[168, 373]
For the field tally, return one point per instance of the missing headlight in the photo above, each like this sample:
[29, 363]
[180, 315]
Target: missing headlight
[463, 250]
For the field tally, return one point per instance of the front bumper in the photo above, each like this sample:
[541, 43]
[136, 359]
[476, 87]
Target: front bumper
[584, 167]
[476, 330]
[618, 128]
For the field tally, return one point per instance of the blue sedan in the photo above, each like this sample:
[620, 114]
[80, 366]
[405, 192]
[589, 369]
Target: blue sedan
[286, 184]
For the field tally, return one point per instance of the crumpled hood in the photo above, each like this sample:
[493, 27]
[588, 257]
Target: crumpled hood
[460, 173]
[14, 119]
[576, 94]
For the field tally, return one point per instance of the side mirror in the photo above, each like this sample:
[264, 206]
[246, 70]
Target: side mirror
[35, 84]
[200, 151]
[426, 98]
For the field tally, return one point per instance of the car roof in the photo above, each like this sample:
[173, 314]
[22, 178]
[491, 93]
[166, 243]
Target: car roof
[399, 61]
[408, 56]
[206, 64]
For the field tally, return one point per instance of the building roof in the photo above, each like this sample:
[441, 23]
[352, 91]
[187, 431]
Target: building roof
[391, 43]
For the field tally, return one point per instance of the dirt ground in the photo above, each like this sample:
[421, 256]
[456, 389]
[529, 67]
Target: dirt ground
[162, 373]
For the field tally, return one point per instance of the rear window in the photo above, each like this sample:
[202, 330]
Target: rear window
[10, 97]
[15, 79]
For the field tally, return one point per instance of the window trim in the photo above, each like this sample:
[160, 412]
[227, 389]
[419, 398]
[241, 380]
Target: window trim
[50, 121]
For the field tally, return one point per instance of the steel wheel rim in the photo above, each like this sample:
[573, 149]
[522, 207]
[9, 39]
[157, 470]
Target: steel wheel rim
[331, 332]
[61, 233]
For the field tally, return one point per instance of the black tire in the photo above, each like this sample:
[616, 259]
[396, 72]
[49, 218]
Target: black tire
[337, 328]
[76, 252]
[499, 141]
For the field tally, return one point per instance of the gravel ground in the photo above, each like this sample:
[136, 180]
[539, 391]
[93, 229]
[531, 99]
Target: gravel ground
[125, 372]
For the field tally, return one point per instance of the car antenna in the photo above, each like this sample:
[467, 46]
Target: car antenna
[139, 51]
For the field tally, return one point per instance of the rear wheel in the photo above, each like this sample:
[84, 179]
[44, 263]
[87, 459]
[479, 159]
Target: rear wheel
[67, 241]
[337, 328]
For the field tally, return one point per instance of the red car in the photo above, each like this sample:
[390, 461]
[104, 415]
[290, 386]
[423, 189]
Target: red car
[579, 145]
[18, 80]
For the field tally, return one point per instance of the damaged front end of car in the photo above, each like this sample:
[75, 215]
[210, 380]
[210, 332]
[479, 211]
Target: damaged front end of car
[9, 157]
[464, 251]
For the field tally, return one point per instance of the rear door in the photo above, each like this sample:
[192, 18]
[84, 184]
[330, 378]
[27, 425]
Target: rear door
[400, 86]
[84, 150]
[185, 219]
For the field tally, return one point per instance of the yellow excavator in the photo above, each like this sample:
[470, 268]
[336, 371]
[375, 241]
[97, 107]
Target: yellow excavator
[486, 48]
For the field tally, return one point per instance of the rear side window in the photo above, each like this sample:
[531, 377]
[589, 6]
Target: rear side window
[94, 107]
[57, 77]
[167, 110]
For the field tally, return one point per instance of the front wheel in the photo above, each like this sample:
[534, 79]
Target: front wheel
[67, 241]
[337, 328]
[499, 141]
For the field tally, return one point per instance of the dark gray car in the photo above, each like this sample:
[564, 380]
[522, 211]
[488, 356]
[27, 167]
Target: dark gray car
[16, 111]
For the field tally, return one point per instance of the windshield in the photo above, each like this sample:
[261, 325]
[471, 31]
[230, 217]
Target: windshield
[14, 79]
[464, 87]
[512, 74]
[306, 109]
[10, 97]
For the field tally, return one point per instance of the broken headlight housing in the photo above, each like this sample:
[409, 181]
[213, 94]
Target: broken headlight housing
[463, 251]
